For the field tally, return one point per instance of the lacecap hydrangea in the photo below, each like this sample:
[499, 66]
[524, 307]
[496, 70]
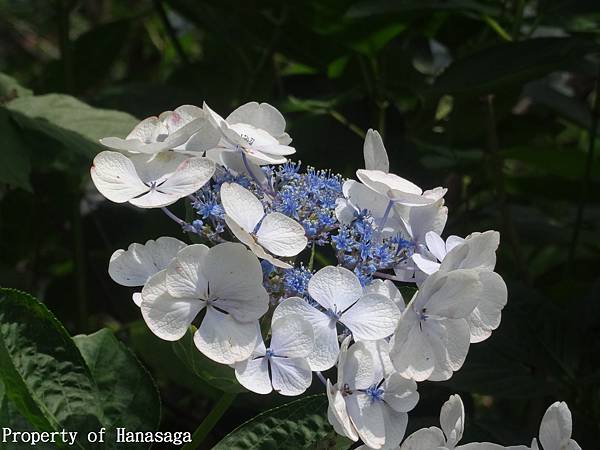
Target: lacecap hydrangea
[261, 225]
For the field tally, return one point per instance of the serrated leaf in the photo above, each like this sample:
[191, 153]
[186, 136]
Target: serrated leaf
[300, 424]
[49, 381]
[44, 373]
[128, 394]
[217, 375]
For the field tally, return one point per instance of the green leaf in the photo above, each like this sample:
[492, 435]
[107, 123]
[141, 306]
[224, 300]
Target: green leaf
[127, 393]
[74, 124]
[11, 89]
[300, 424]
[15, 164]
[44, 373]
[384, 7]
[54, 387]
[511, 63]
[10, 418]
[218, 375]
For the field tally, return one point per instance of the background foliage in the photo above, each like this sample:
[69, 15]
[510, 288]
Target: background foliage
[494, 99]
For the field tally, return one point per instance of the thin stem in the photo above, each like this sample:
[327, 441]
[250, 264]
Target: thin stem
[266, 189]
[386, 214]
[162, 14]
[585, 184]
[344, 121]
[321, 378]
[497, 166]
[387, 276]
[311, 261]
[172, 216]
[210, 421]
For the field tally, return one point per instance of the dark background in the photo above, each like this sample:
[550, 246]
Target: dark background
[495, 100]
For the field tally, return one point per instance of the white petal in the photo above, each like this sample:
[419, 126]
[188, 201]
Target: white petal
[224, 339]
[249, 240]
[356, 367]
[486, 315]
[490, 446]
[380, 355]
[452, 419]
[253, 374]
[556, 427]
[452, 242]
[478, 251]
[235, 280]
[291, 376]
[412, 354]
[326, 345]
[233, 161]
[335, 288]
[116, 178]
[184, 273]
[281, 235]
[436, 245]
[362, 197]
[454, 294]
[394, 187]
[166, 316]
[190, 175]
[241, 205]
[134, 266]
[372, 317]
[422, 219]
[388, 289]
[400, 393]
[395, 427]
[368, 418]
[425, 265]
[292, 336]
[449, 339]
[137, 299]
[258, 115]
[376, 157]
[337, 413]
[424, 439]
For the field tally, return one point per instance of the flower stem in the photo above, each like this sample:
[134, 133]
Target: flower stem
[210, 421]
[172, 216]
[321, 377]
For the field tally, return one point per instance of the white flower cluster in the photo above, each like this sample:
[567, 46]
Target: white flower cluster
[387, 345]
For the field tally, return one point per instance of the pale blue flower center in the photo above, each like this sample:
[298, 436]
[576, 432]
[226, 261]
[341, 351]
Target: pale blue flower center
[375, 393]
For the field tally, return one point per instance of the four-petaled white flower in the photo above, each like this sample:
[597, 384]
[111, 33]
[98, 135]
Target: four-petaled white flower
[187, 129]
[292, 340]
[477, 252]
[273, 232]
[226, 280]
[365, 403]
[255, 130]
[149, 181]
[452, 421]
[432, 339]
[134, 266]
[340, 299]
[556, 429]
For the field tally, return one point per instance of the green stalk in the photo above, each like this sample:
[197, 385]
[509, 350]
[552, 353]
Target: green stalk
[210, 421]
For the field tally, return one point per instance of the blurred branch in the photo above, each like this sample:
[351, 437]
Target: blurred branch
[64, 8]
[497, 166]
[494, 25]
[585, 184]
[164, 18]
[344, 121]
[210, 421]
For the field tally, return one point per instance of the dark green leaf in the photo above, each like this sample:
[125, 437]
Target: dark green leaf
[300, 424]
[11, 89]
[127, 393]
[44, 373]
